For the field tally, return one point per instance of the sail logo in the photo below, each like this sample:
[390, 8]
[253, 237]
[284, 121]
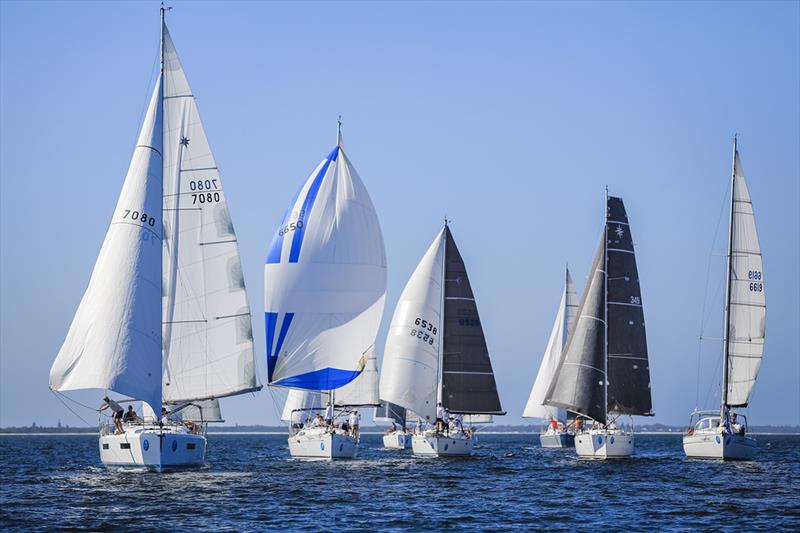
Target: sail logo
[619, 231]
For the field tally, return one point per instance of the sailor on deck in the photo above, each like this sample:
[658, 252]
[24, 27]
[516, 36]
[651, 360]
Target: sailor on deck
[118, 412]
[329, 414]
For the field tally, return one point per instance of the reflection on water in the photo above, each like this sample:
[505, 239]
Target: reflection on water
[250, 483]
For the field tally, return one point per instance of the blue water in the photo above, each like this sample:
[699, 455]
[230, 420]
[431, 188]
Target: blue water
[57, 482]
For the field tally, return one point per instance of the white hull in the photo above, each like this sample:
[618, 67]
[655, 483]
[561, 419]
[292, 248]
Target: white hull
[397, 440]
[716, 445]
[433, 445]
[604, 444]
[557, 440]
[322, 444]
[153, 447]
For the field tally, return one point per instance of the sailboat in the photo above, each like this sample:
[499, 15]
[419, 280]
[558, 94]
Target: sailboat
[165, 318]
[324, 293]
[557, 434]
[603, 371]
[436, 351]
[397, 437]
[722, 434]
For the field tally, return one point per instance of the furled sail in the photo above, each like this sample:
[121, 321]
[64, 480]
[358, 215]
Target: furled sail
[628, 366]
[114, 341]
[208, 337]
[409, 377]
[747, 308]
[565, 318]
[468, 384]
[579, 381]
[324, 281]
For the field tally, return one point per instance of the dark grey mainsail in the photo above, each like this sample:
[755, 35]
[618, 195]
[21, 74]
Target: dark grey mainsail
[390, 411]
[628, 367]
[468, 384]
[578, 384]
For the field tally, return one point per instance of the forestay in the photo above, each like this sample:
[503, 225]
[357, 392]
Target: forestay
[579, 383]
[468, 384]
[208, 338]
[565, 319]
[114, 341]
[409, 377]
[747, 309]
[628, 366]
[324, 281]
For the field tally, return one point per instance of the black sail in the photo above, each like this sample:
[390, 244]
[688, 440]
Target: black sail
[390, 411]
[578, 382]
[468, 384]
[628, 367]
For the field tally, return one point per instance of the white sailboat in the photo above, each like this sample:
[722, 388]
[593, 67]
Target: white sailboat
[722, 434]
[396, 437]
[165, 318]
[324, 292]
[436, 352]
[557, 434]
[603, 371]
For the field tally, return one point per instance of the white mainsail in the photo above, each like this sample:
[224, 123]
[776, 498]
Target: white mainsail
[747, 307]
[208, 338]
[565, 318]
[114, 341]
[409, 377]
[324, 281]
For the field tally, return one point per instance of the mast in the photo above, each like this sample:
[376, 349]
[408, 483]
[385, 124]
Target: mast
[161, 48]
[339, 133]
[605, 310]
[729, 266]
[440, 351]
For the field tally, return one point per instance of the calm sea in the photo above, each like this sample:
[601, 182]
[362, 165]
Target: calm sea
[56, 482]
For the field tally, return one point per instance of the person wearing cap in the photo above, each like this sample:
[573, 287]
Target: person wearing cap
[118, 412]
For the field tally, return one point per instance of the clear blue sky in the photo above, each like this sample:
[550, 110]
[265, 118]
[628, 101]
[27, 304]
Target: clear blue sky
[508, 117]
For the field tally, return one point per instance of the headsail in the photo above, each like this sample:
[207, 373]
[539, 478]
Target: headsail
[324, 281]
[409, 377]
[628, 366]
[747, 309]
[468, 384]
[579, 381]
[565, 319]
[114, 341]
[208, 337]
[202, 411]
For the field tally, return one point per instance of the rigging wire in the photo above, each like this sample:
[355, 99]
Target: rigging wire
[65, 404]
[703, 316]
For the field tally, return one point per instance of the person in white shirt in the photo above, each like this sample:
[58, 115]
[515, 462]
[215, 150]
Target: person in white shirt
[317, 421]
[329, 414]
[353, 422]
[440, 420]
